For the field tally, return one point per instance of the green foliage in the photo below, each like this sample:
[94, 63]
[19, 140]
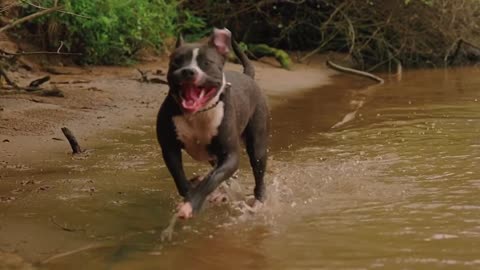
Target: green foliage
[112, 31]
[281, 56]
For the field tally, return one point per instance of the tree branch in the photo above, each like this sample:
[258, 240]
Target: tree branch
[30, 17]
[61, 11]
[76, 149]
[7, 79]
[355, 72]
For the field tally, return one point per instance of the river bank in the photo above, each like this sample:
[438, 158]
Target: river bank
[99, 99]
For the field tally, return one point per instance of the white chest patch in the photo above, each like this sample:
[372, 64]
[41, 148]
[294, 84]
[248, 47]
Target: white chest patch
[196, 131]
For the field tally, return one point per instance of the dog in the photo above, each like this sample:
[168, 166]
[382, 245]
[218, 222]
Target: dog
[208, 113]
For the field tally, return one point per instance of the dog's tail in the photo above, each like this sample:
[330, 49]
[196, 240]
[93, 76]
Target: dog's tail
[248, 68]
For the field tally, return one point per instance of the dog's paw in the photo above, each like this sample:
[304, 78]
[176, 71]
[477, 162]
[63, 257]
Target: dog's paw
[185, 210]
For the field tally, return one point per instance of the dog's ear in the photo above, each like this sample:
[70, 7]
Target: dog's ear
[221, 39]
[180, 41]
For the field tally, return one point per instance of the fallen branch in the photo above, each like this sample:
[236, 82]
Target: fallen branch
[143, 74]
[144, 78]
[72, 140]
[37, 91]
[30, 17]
[355, 72]
[36, 83]
[157, 80]
[7, 79]
[33, 87]
[13, 59]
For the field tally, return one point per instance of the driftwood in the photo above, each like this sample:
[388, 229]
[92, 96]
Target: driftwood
[355, 72]
[36, 83]
[7, 79]
[143, 75]
[145, 79]
[32, 88]
[76, 149]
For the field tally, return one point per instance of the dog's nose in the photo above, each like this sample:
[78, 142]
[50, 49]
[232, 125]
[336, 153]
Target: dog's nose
[188, 73]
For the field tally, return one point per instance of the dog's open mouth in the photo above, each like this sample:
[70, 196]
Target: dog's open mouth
[195, 97]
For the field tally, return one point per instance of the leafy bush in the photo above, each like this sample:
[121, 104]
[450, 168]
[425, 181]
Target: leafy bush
[112, 31]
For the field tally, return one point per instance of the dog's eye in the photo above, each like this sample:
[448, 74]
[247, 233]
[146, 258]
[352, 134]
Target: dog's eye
[176, 62]
[208, 63]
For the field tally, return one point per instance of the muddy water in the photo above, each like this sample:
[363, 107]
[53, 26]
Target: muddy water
[395, 185]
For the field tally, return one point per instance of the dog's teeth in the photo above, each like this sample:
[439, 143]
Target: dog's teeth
[202, 93]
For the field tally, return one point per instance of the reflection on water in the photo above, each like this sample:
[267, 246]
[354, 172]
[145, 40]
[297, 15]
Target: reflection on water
[395, 188]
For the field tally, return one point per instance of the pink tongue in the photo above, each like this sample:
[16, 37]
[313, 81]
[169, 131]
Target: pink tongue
[193, 93]
[192, 102]
[191, 105]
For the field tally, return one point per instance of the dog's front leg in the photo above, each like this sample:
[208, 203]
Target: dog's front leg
[226, 167]
[172, 156]
[171, 146]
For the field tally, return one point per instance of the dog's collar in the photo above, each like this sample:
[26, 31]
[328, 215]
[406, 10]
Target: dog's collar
[209, 108]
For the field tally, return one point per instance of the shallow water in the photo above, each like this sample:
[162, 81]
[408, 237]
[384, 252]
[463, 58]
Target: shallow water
[394, 186]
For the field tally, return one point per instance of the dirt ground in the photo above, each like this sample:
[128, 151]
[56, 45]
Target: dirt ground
[98, 98]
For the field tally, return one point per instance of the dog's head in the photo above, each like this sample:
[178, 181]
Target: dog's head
[195, 74]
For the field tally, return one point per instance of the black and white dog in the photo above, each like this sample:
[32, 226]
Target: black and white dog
[208, 112]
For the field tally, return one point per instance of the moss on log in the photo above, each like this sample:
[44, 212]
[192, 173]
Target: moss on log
[260, 50]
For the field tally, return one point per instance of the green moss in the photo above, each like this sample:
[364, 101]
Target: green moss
[281, 56]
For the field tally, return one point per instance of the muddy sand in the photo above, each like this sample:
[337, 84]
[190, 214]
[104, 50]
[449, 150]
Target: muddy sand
[98, 99]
